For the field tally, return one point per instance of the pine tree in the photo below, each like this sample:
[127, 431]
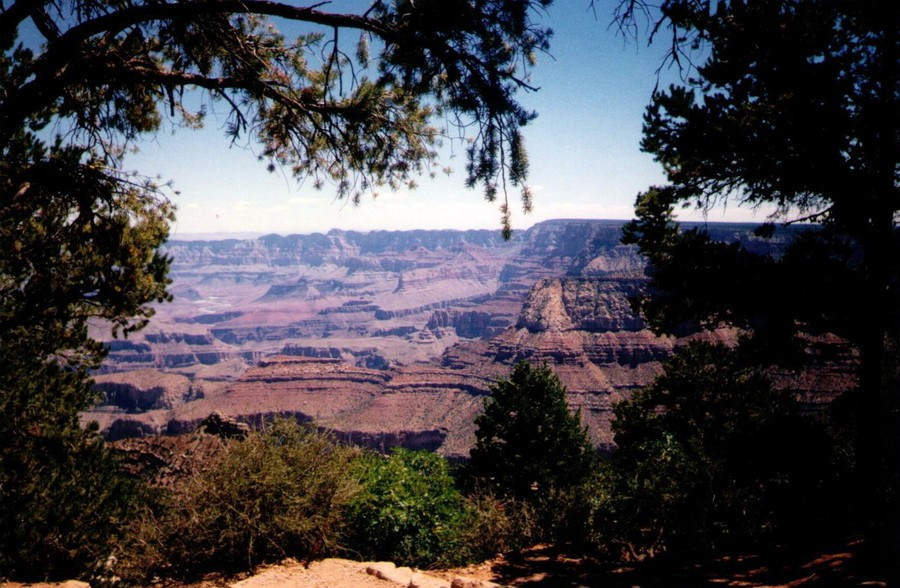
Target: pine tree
[793, 105]
[527, 441]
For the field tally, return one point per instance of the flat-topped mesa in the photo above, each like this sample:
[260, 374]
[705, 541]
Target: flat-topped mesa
[297, 360]
[349, 248]
[437, 380]
[310, 351]
[351, 307]
[297, 369]
[386, 314]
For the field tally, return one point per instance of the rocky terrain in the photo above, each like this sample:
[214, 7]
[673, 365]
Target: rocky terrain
[390, 338]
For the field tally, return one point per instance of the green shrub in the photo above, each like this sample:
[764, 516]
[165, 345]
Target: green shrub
[276, 494]
[711, 454]
[409, 511]
[64, 500]
[494, 526]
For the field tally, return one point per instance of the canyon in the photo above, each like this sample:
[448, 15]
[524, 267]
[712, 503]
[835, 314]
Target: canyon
[393, 337]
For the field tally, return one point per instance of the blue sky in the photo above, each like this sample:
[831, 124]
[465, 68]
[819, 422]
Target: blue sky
[583, 148]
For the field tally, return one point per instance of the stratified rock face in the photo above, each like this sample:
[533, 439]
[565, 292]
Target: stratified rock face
[143, 390]
[420, 408]
[583, 328]
[131, 398]
[391, 337]
[469, 324]
[545, 310]
[581, 304]
[602, 305]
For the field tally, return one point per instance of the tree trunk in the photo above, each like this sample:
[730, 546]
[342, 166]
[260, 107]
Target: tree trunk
[877, 436]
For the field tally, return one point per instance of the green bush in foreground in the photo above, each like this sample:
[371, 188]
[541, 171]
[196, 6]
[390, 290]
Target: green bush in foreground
[409, 510]
[64, 501]
[711, 455]
[290, 492]
[278, 493]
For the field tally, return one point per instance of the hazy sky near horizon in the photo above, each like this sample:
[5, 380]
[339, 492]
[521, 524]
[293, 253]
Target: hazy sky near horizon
[583, 148]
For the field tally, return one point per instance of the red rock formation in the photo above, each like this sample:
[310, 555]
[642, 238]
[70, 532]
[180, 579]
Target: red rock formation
[404, 302]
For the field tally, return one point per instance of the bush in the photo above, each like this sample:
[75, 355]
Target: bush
[494, 526]
[569, 515]
[64, 500]
[709, 455]
[409, 511]
[527, 443]
[276, 494]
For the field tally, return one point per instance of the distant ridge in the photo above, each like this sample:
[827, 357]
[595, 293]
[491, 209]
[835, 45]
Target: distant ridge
[250, 236]
[221, 236]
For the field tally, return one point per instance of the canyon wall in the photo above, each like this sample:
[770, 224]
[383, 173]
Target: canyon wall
[389, 338]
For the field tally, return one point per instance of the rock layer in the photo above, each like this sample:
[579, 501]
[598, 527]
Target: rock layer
[393, 338]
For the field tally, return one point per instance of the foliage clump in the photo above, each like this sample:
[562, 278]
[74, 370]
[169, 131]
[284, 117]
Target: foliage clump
[65, 500]
[527, 442]
[710, 455]
[278, 493]
[409, 510]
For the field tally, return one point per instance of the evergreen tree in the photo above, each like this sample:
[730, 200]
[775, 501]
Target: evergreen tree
[711, 454]
[793, 105]
[527, 442]
[65, 501]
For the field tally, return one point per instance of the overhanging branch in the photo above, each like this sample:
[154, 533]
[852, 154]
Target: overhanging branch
[120, 20]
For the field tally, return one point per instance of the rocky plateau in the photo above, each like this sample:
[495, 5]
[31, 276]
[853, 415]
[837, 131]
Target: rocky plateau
[393, 338]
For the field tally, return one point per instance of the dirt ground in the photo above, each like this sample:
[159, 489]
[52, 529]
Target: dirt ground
[549, 567]
[343, 573]
[327, 573]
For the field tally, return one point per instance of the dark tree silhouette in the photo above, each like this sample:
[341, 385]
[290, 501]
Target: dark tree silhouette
[792, 105]
[711, 455]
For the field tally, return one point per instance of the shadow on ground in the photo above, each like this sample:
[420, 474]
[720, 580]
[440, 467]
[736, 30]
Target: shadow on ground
[549, 566]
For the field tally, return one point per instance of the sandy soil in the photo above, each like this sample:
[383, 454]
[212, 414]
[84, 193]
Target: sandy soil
[340, 573]
[547, 567]
[328, 573]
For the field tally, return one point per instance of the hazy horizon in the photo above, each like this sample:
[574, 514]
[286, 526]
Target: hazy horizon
[248, 235]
